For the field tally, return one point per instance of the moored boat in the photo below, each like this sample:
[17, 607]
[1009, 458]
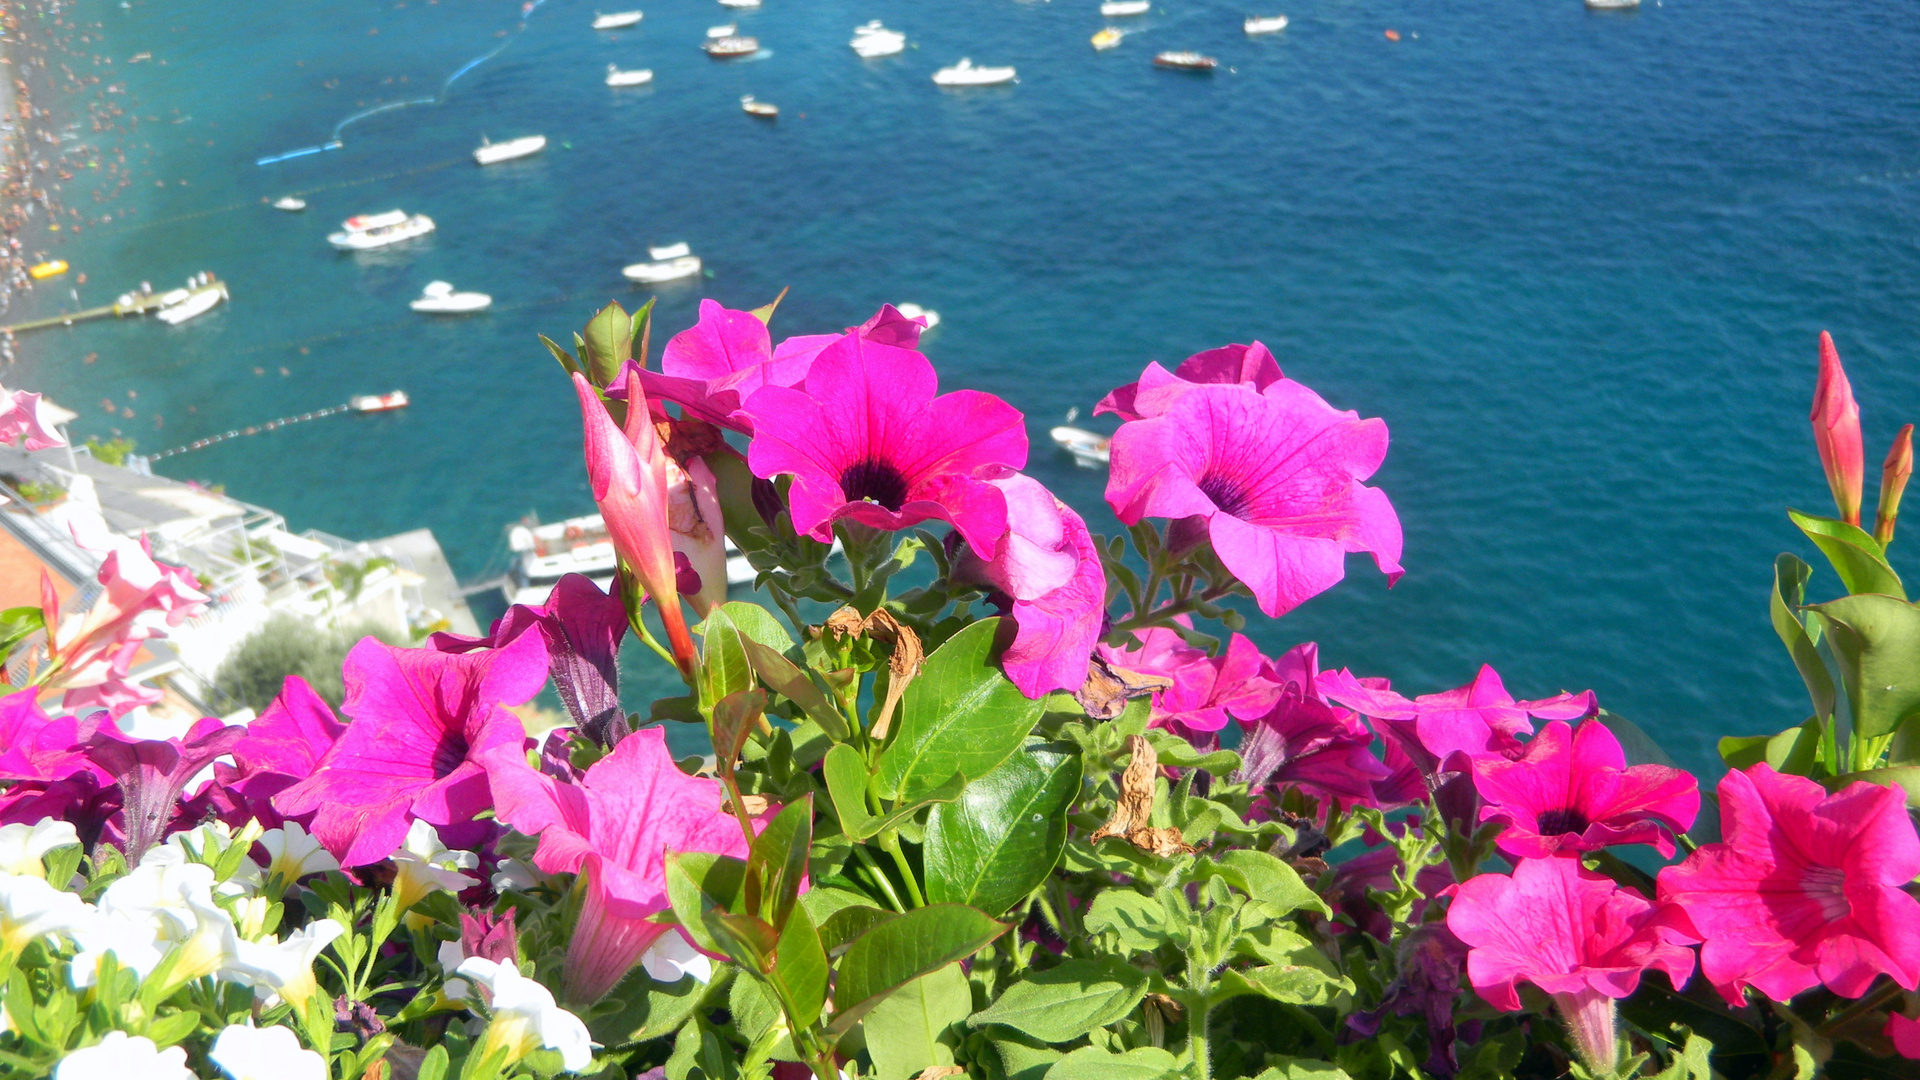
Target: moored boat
[545, 553]
[1183, 60]
[617, 20]
[1613, 5]
[1088, 448]
[636, 77]
[1113, 9]
[965, 73]
[182, 304]
[766, 110]
[365, 232]
[439, 298]
[729, 48]
[289, 204]
[669, 263]
[50, 268]
[1107, 39]
[491, 152]
[378, 402]
[915, 311]
[874, 40]
[742, 4]
[1265, 24]
[722, 31]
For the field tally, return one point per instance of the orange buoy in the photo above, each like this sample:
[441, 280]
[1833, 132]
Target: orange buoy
[1393, 35]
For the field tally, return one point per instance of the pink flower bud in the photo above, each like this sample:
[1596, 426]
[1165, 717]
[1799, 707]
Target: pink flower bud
[1893, 482]
[1836, 431]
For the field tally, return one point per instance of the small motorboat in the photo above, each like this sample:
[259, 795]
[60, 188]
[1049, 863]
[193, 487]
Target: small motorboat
[1088, 448]
[490, 153]
[1114, 9]
[1182, 60]
[438, 298]
[874, 40]
[670, 263]
[1266, 24]
[730, 48]
[636, 77]
[290, 204]
[1613, 5]
[965, 74]
[1107, 39]
[915, 311]
[722, 31]
[368, 231]
[182, 304]
[741, 4]
[378, 402]
[766, 110]
[617, 20]
[45, 270]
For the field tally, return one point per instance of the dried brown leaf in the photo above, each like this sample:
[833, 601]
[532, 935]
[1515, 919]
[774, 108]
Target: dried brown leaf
[1104, 695]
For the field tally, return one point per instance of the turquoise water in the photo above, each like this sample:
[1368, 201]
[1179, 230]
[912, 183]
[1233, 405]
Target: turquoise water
[1577, 261]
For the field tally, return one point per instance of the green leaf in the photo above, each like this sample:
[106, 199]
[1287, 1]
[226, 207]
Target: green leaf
[1856, 556]
[1294, 984]
[800, 970]
[845, 772]
[640, 1008]
[909, 1031]
[756, 623]
[1876, 640]
[1139, 921]
[17, 625]
[1789, 591]
[699, 882]
[1266, 879]
[790, 680]
[638, 328]
[609, 344]
[1177, 753]
[1292, 1068]
[734, 718]
[724, 669]
[895, 952]
[1063, 1003]
[845, 925]
[433, 1066]
[1001, 838]
[567, 361]
[897, 816]
[1904, 777]
[960, 716]
[1093, 1063]
[778, 862]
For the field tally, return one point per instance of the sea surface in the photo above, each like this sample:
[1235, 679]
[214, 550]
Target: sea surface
[1577, 261]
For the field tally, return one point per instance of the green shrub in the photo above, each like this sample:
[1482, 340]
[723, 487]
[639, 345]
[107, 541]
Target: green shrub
[285, 646]
[110, 451]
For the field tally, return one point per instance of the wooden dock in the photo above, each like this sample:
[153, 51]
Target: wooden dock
[129, 304]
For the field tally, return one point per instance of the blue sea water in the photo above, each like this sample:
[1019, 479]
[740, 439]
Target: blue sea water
[1576, 260]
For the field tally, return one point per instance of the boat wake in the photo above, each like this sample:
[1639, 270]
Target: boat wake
[334, 142]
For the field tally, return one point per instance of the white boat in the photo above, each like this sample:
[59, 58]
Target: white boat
[1087, 447]
[617, 20]
[1612, 5]
[289, 204]
[491, 152]
[1116, 8]
[874, 40]
[722, 31]
[1266, 24]
[637, 77]
[438, 298]
[741, 4]
[183, 304]
[378, 402]
[369, 231]
[965, 74]
[729, 48]
[670, 263]
[1185, 60]
[546, 553]
[915, 311]
[766, 110]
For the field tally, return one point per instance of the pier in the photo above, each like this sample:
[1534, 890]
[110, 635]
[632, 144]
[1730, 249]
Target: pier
[132, 303]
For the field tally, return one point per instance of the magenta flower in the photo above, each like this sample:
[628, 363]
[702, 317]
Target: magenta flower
[281, 747]
[1573, 933]
[422, 721]
[38, 747]
[22, 423]
[1274, 477]
[1836, 433]
[1806, 889]
[866, 440]
[1049, 569]
[1306, 742]
[615, 827]
[1571, 790]
[582, 628]
[1207, 690]
[90, 651]
[1904, 1034]
[1477, 719]
[1252, 366]
[152, 773]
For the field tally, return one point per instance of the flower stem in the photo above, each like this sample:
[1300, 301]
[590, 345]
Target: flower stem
[1859, 1008]
[1198, 1010]
[879, 876]
[891, 843]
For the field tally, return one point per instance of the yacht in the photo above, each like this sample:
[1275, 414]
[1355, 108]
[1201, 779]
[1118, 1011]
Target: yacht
[368, 231]
[1088, 448]
[543, 554]
[180, 305]
[722, 31]
[965, 74]
[1181, 60]
[766, 110]
[1265, 24]
[1113, 9]
[875, 40]
[1612, 5]
[728, 48]
[637, 77]
[289, 204]
[438, 298]
[742, 4]
[1107, 39]
[378, 402]
[670, 263]
[492, 152]
[617, 20]
[915, 311]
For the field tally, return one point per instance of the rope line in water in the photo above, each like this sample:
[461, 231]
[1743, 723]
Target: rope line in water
[254, 429]
[231, 207]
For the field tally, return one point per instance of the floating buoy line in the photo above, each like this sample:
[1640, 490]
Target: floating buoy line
[254, 429]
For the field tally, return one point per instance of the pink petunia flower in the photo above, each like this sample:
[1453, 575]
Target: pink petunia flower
[1477, 719]
[868, 441]
[712, 368]
[1048, 567]
[281, 747]
[1275, 479]
[1252, 366]
[1905, 1034]
[152, 773]
[1306, 742]
[1836, 433]
[1206, 690]
[91, 650]
[583, 628]
[1573, 933]
[422, 721]
[615, 827]
[1571, 790]
[23, 424]
[1805, 890]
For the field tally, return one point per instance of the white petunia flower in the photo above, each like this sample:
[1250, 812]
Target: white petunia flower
[672, 957]
[284, 967]
[160, 890]
[131, 941]
[245, 1052]
[424, 864]
[30, 908]
[295, 854]
[212, 947]
[524, 1016]
[514, 874]
[22, 845]
[206, 844]
[120, 1056]
[451, 955]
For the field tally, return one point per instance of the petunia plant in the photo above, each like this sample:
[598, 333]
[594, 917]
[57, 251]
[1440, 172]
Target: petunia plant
[979, 791]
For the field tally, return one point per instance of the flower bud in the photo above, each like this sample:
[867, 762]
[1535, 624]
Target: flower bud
[1836, 431]
[1893, 482]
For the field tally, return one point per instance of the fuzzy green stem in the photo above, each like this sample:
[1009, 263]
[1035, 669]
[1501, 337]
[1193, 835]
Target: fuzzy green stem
[1198, 1010]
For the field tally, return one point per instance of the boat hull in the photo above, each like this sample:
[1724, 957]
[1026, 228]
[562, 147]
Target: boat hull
[494, 153]
[417, 226]
[618, 21]
[670, 270]
[194, 306]
[457, 304]
[630, 78]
